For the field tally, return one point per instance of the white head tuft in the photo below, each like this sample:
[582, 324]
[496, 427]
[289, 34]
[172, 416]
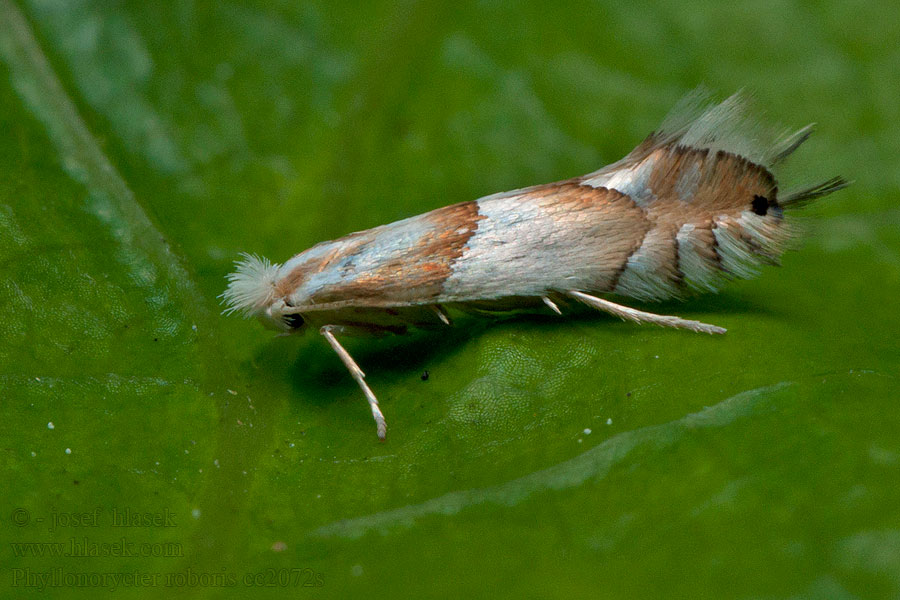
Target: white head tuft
[251, 288]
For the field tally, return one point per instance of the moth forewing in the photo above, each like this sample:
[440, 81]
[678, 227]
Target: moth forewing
[693, 205]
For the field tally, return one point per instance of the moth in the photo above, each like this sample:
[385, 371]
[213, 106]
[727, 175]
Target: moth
[693, 205]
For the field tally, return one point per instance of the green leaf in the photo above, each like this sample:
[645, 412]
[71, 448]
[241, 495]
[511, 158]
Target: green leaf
[147, 145]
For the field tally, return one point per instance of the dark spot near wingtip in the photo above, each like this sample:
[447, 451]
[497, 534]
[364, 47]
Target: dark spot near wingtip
[760, 205]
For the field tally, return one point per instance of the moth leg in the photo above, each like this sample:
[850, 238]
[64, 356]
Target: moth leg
[551, 305]
[441, 314]
[358, 375]
[639, 316]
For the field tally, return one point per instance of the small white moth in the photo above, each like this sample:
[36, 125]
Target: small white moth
[694, 204]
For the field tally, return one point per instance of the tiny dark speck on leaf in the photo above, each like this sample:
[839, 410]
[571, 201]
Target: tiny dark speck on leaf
[628, 394]
[155, 339]
[75, 481]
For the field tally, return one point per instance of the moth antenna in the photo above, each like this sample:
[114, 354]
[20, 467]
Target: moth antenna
[252, 285]
[807, 195]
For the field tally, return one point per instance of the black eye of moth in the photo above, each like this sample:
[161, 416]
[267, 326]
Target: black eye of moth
[760, 205]
[294, 321]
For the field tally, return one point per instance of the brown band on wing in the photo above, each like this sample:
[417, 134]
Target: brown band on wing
[680, 282]
[624, 266]
[725, 182]
[698, 186]
[411, 273]
[351, 244]
[420, 270]
[635, 222]
[704, 234]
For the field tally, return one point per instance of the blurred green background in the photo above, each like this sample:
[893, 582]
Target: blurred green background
[145, 144]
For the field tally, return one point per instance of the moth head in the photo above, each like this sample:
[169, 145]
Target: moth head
[279, 317]
[252, 292]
